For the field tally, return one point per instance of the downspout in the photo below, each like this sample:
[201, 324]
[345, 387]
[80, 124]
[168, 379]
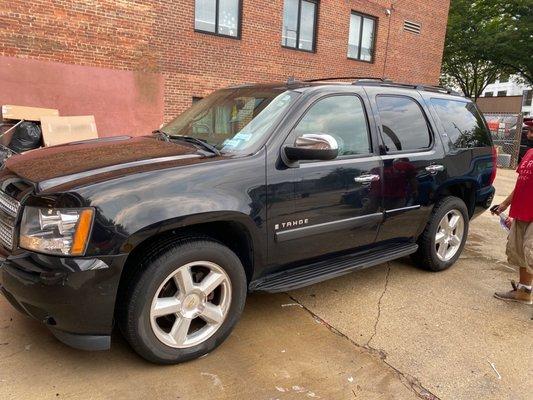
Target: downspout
[388, 12]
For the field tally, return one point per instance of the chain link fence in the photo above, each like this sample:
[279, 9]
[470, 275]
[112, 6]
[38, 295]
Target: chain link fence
[506, 130]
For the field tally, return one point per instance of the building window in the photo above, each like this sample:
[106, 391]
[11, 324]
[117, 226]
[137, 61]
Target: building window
[221, 17]
[502, 93]
[488, 94]
[196, 99]
[299, 24]
[528, 97]
[361, 37]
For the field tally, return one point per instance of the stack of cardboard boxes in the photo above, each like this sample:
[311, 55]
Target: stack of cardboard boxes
[55, 129]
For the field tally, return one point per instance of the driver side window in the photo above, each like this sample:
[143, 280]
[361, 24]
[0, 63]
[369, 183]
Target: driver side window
[342, 117]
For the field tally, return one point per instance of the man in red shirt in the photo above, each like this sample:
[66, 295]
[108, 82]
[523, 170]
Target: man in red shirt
[520, 242]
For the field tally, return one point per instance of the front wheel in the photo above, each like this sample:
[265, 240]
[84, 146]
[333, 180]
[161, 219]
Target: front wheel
[184, 301]
[443, 240]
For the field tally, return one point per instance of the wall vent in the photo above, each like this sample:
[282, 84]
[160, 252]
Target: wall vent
[412, 27]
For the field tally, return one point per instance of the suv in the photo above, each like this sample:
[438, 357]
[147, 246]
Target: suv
[254, 188]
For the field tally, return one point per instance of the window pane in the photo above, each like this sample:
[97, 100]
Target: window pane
[403, 124]
[368, 39]
[307, 25]
[228, 17]
[462, 123]
[354, 36]
[290, 23]
[343, 118]
[204, 16]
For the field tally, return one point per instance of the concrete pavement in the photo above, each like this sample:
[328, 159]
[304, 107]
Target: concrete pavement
[389, 332]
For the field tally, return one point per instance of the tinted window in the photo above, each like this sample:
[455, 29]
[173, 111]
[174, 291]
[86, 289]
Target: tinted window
[404, 127]
[226, 22]
[233, 120]
[361, 37]
[342, 117]
[298, 30]
[462, 123]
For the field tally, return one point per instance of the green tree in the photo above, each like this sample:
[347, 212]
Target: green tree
[486, 38]
[510, 37]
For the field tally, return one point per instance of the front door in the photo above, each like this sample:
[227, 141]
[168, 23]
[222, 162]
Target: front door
[327, 206]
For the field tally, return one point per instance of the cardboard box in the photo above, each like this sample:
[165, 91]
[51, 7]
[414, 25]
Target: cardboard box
[11, 112]
[60, 130]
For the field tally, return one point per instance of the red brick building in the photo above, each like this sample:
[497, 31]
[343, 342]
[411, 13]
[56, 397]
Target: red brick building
[135, 63]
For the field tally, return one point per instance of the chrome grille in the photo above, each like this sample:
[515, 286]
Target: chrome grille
[9, 204]
[9, 208]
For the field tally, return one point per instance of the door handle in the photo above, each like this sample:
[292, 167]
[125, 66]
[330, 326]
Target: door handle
[366, 178]
[434, 168]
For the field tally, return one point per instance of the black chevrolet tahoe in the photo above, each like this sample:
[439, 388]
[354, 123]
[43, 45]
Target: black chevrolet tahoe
[254, 188]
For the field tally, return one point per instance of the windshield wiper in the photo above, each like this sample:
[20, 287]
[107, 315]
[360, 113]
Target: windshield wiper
[190, 139]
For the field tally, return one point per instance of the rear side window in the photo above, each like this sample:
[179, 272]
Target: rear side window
[403, 124]
[462, 123]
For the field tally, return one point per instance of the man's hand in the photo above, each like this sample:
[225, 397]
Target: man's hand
[509, 222]
[501, 208]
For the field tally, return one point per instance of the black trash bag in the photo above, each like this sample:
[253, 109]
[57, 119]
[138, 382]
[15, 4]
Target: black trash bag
[27, 136]
[4, 155]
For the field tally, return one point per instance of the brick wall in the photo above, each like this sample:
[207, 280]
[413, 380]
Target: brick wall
[157, 36]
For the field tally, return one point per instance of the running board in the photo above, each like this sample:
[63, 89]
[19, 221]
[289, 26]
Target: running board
[305, 275]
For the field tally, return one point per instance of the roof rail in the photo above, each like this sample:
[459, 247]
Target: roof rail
[337, 78]
[427, 88]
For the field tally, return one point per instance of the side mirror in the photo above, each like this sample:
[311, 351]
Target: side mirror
[313, 146]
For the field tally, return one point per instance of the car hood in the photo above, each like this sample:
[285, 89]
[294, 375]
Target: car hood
[100, 158]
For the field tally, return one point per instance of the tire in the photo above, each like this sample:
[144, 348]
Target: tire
[427, 255]
[167, 338]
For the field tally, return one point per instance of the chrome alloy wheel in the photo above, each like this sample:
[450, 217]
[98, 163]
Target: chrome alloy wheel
[449, 235]
[191, 304]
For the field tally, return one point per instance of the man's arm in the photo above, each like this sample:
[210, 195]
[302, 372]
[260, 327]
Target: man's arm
[505, 204]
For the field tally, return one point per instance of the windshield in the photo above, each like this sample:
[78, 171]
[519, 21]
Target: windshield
[233, 120]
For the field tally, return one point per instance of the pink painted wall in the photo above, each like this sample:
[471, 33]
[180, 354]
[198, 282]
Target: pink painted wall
[122, 102]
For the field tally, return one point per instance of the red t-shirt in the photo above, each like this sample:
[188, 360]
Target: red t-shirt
[522, 204]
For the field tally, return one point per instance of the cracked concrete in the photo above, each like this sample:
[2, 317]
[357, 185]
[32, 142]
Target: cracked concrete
[385, 286]
[275, 352]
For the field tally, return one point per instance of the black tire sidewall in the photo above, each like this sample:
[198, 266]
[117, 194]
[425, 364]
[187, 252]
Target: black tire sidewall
[141, 336]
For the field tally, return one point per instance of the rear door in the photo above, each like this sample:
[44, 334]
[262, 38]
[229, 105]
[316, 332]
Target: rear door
[413, 161]
[334, 205]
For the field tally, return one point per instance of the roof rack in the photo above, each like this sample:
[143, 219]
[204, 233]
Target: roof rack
[337, 78]
[427, 88]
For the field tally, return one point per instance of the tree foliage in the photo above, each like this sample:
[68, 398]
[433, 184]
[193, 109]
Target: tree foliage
[486, 38]
[510, 38]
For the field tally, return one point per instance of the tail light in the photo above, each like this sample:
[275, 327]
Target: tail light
[494, 165]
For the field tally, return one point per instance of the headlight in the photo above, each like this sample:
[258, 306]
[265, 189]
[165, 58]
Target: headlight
[56, 231]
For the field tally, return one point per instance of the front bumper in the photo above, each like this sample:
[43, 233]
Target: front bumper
[74, 297]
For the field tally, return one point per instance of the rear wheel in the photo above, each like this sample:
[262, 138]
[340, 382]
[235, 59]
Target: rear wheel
[184, 302]
[443, 240]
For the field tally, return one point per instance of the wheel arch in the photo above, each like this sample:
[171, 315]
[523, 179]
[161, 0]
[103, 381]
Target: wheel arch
[232, 232]
[464, 190]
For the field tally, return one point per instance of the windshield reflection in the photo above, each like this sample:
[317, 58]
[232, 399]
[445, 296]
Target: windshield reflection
[233, 120]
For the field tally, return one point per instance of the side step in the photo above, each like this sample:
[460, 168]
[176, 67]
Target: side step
[323, 270]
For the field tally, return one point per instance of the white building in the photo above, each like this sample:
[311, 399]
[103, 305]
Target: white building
[507, 86]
